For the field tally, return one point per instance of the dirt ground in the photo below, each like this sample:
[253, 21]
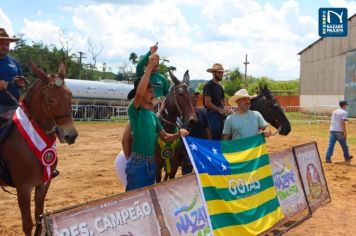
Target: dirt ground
[87, 173]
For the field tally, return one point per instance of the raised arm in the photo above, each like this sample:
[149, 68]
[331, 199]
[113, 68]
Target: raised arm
[142, 86]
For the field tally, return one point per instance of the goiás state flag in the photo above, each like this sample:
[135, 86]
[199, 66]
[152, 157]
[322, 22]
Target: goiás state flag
[236, 183]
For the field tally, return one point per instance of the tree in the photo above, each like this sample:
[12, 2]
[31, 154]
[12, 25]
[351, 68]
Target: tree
[133, 58]
[94, 50]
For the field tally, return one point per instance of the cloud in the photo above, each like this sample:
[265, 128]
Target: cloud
[192, 34]
[6, 23]
[350, 5]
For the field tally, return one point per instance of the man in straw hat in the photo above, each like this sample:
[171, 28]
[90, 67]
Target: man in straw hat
[10, 75]
[214, 101]
[244, 122]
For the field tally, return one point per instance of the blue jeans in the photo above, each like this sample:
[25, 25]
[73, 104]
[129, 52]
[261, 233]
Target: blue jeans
[337, 136]
[216, 124]
[140, 171]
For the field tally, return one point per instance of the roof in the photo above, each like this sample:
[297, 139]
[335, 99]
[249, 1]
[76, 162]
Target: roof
[320, 39]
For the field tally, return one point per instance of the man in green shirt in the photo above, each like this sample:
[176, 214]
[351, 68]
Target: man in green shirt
[145, 126]
[160, 82]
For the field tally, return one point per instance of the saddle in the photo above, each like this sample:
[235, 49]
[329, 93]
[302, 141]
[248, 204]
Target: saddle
[6, 113]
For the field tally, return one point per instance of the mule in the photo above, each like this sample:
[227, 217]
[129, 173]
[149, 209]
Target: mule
[178, 104]
[271, 111]
[47, 105]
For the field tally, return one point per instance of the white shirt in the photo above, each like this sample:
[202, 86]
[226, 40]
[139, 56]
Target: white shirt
[337, 118]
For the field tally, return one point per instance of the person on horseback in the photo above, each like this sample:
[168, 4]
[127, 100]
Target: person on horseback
[11, 77]
[145, 126]
[244, 122]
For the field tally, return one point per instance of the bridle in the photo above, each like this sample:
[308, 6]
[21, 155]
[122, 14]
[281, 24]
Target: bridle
[54, 119]
[179, 124]
[270, 104]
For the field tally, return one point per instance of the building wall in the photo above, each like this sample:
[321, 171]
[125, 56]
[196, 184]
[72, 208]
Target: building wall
[322, 68]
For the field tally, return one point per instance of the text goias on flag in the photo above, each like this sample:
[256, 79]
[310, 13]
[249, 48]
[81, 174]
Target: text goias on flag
[237, 184]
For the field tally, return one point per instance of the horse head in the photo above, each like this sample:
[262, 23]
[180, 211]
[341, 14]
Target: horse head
[48, 102]
[179, 99]
[271, 111]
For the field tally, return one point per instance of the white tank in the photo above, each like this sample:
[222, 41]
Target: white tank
[87, 92]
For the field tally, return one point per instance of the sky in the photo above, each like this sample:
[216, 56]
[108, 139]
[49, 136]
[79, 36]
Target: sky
[192, 34]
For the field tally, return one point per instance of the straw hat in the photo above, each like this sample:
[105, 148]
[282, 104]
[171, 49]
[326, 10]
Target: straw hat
[5, 36]
[216, 67]
[242, 93]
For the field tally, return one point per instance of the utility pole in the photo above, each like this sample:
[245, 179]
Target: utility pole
[246, 63]
[81, 56]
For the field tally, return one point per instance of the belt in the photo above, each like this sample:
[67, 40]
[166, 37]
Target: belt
[141, 157]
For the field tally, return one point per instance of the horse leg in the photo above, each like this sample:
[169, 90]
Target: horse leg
[24, 201]
[174, 166]
[40, 194]
[158, 169]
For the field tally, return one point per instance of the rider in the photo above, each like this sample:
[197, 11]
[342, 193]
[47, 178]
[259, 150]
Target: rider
[145, 126]
[11, 77]
[244, 122]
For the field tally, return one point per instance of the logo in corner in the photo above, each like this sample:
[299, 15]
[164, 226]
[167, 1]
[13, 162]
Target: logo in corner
[332, 22]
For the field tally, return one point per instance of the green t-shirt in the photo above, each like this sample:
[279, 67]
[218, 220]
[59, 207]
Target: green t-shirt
[144, 128]
[244, 125]
[161, 83]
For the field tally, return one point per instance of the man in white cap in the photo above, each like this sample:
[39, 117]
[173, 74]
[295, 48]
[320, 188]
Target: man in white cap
[244, 122]
[338, 132]
[214, 101]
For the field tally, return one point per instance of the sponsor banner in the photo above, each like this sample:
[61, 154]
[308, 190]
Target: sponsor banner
[312, 175]
[182, 207]
[123, 215]
[288, 184]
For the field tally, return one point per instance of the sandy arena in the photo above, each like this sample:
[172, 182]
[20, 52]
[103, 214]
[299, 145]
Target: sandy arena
[87, 173]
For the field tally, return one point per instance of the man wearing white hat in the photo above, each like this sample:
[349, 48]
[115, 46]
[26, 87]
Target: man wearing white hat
[244, 122]
[214, 101]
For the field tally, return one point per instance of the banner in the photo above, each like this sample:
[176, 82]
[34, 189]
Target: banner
[126, 215]
[236, 181]
[288, 185]
[312, 174]
[182, 207]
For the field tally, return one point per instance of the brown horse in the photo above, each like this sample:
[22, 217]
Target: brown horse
[178, 104]
[47, 104]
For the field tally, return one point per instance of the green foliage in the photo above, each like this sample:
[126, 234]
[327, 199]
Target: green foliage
[48, 58]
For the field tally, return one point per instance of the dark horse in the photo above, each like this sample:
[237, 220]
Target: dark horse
[47, 104]
[178, 104]
[271, 111]
[265, 103]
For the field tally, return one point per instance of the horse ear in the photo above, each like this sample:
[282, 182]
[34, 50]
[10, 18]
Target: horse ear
[37, 71]
[186, 77]
[62, 69]
[173, 78]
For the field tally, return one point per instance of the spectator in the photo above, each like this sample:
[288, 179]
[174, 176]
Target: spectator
[338, 132]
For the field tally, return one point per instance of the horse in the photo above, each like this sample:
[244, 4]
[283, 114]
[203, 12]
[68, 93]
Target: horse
[177, 104]
[271, 111]
[47, 104]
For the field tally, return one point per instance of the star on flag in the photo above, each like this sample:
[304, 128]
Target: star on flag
[194, 147]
